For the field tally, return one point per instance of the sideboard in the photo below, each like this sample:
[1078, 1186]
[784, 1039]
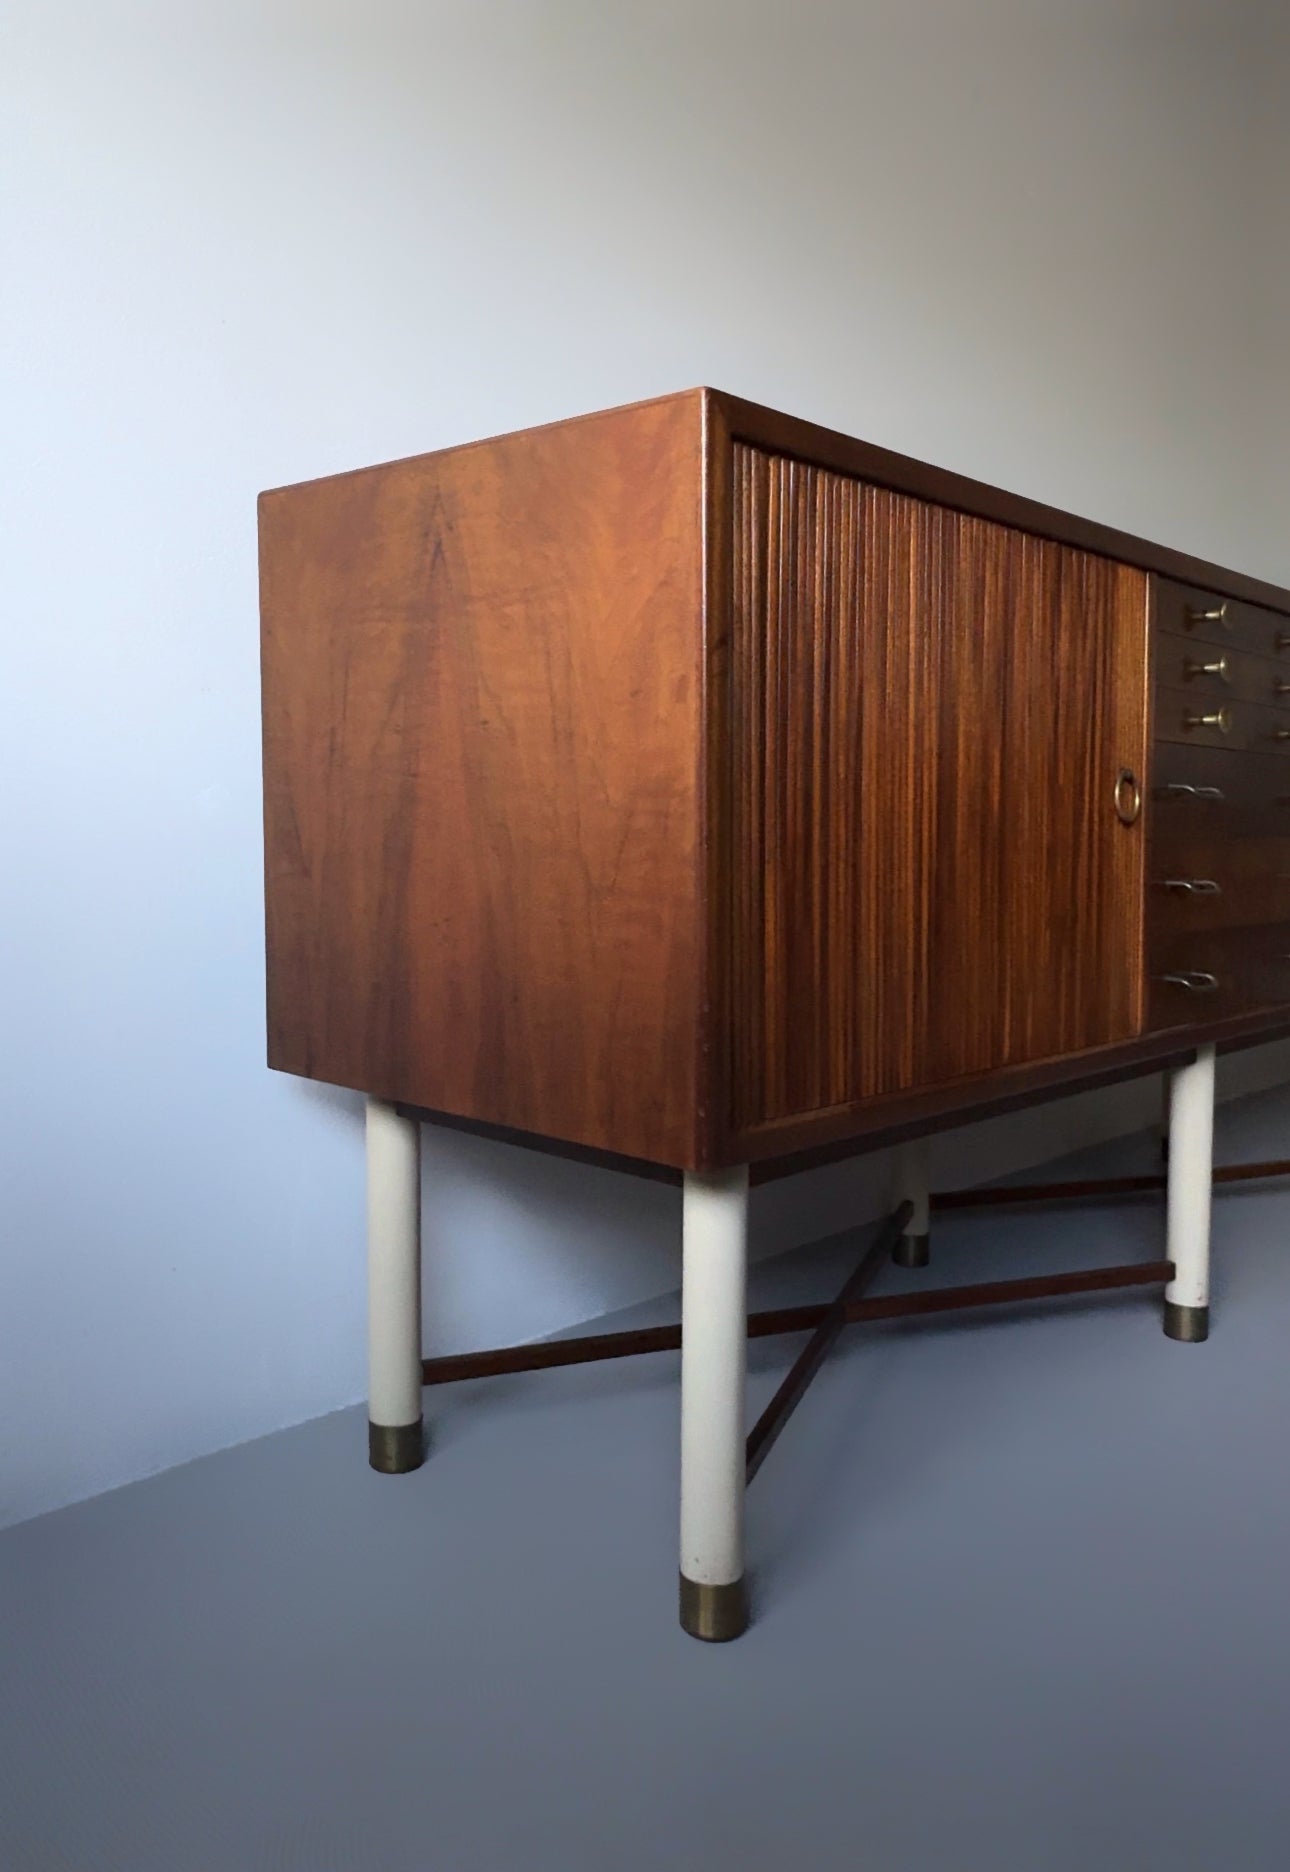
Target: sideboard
[703, 791]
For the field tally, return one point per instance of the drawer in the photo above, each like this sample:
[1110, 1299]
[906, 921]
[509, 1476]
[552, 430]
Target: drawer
[1193, 786]
[1216, 721]
[1199, 882]
[1217, 674]
[1204, 617]
[1215, 791]
[1230, 971]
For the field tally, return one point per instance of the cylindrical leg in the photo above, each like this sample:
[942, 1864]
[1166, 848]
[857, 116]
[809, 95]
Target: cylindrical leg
[1166, 1095]
[394, 1433]
[913, 1249]
[714, 1337]
[1190, 1182]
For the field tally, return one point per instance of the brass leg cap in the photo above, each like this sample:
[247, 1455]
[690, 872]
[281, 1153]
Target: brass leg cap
[395, 1449]
[714, 1613]
[912, 1251]
[1187, 1323]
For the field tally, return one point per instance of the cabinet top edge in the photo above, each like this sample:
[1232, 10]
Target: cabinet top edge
[697, 395]
[904, 474]
[764, 427]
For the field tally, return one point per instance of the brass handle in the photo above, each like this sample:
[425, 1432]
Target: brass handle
[1199, 887]
[1199, 981]
[1281, 734]
[1213, 614]
[1283, 640]
[1217, 668]
[1220, 719]
[1180, 789]
[1280, 686]
[1128, 797]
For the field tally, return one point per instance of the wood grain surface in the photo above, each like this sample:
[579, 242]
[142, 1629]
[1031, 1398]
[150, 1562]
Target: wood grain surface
[482, 740]
[1250, 967]
[1193, 718]
[1218, 848]
[902, 474]
[1187, 612]
[1218, 791]
[1222, 673]
[686, 784]
[930, 712]
[1252, 875]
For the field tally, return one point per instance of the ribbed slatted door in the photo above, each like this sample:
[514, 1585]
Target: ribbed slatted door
[929, 714]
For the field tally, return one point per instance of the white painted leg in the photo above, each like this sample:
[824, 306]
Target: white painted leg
[1190, 1181]
[714, 1338]
[1166, 1095]
[395, 1442]
[912, 1170]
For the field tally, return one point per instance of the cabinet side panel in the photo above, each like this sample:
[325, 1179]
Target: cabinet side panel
[482, 746]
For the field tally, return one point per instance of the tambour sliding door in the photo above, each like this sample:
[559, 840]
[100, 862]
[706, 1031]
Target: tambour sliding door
[932, 875]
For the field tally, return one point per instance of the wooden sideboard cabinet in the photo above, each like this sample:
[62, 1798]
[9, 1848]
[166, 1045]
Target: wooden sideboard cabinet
[703, 790]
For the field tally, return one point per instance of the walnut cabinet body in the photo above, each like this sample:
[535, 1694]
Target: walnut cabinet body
[705, 791]
[698, 786]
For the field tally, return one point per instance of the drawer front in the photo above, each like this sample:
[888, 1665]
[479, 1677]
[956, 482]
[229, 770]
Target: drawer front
[1206, 975]
[1218, 810]
[1210, 720]
[1216, 674]
[1199, 882]
[1183, 611]
[1222, 790]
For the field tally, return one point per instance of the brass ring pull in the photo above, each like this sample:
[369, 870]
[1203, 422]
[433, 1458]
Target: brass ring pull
[1128, 797]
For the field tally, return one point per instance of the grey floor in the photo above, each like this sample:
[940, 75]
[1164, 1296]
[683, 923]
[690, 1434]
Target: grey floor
[1021, 1602]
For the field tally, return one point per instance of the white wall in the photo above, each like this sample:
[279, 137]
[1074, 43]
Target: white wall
[1270, 208]
[246, 244]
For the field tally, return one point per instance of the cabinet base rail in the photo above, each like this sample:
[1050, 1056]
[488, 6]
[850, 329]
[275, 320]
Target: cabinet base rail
[1092, 1187]
[849, 1309]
